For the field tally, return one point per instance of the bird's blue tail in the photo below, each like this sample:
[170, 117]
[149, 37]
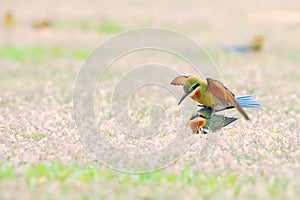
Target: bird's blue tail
[248, 101]
[239, 49]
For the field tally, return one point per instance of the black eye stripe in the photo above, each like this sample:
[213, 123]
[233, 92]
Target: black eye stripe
[195, 86]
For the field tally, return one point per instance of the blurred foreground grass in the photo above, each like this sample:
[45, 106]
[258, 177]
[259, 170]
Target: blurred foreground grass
[73, 180]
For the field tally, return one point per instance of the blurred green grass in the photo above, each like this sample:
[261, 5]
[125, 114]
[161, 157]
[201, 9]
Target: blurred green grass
[100, 26]
[206, 184]
[37, 54]
[109, 27]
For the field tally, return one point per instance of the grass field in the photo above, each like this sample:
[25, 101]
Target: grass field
[42, 156]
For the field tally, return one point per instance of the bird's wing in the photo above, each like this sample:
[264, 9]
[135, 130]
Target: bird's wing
[220, 121]
[224, 94]
[180, 80]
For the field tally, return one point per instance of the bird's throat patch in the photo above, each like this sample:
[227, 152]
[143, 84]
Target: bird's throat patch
[196, 94]
[197, 123]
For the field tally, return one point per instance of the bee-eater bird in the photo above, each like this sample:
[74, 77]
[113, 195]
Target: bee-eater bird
[41, 24]
[214, 94]
[202, 122]
[256, 44]
[9, 18]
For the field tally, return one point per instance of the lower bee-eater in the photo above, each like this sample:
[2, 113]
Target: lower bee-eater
[201, 121]
[214, 94]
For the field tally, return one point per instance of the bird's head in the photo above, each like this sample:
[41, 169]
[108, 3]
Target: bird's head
[190, 85]
[204, 112]
[258, 43]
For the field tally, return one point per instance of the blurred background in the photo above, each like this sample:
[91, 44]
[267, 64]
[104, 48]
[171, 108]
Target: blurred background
[44, 43]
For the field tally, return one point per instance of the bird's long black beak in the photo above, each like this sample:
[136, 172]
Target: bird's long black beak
[189, 92]
[183, 97]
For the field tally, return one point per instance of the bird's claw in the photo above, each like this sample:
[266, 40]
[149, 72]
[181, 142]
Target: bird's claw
[203, 130]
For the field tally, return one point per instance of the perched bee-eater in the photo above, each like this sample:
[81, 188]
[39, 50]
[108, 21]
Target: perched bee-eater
[201, 121]
[257, 44]
[214, 94]
[9, 18]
